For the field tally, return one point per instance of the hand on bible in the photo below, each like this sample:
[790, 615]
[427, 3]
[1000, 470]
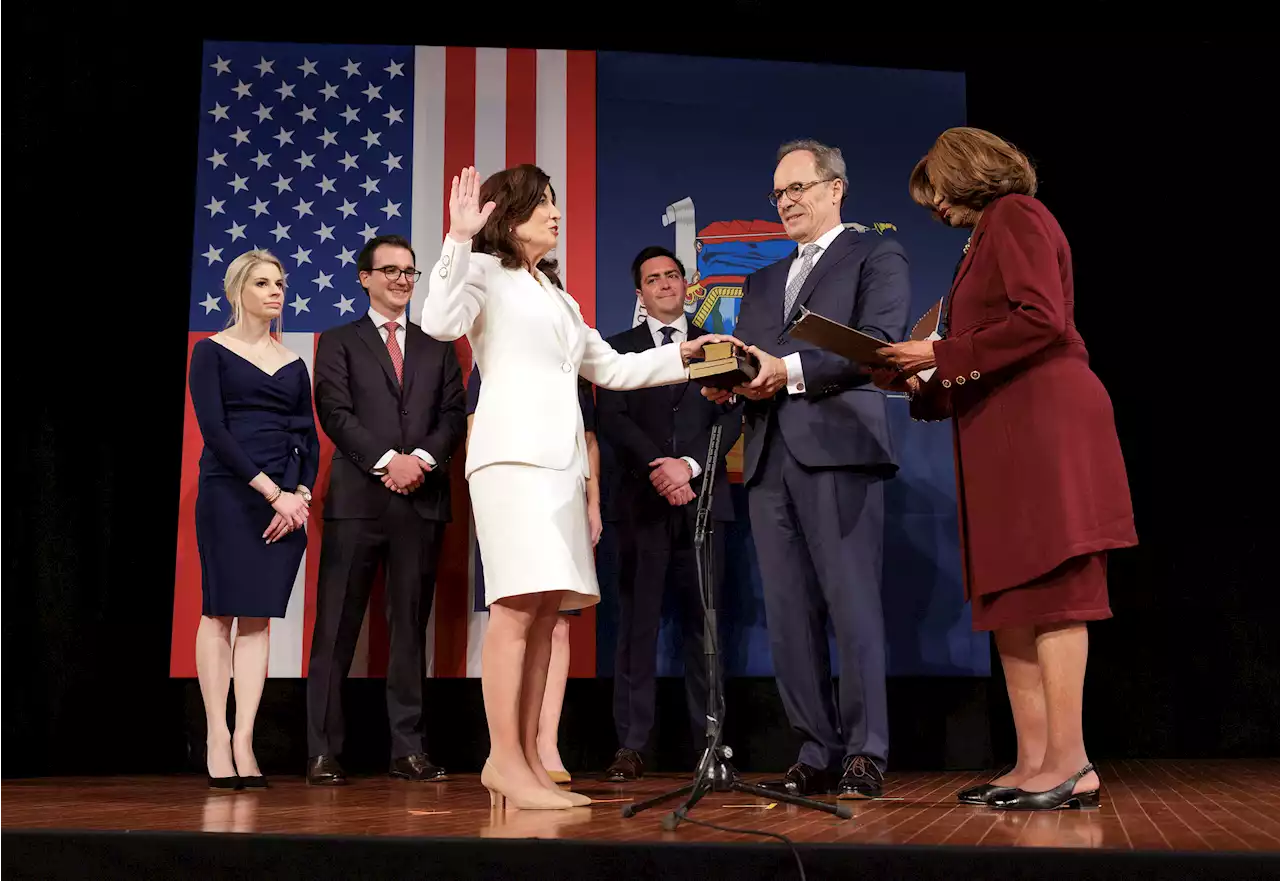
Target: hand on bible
[771, 379]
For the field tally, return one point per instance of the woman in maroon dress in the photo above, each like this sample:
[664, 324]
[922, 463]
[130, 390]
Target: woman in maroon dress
[1042, 487]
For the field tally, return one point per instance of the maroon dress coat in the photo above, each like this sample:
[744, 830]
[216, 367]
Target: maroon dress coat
[1040, 476]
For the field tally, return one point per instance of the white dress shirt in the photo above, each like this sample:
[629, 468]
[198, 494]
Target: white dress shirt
[380, 321]
[681, 328]
[795, 372]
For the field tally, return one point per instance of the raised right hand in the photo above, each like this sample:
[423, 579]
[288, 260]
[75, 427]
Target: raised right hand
[466, 217]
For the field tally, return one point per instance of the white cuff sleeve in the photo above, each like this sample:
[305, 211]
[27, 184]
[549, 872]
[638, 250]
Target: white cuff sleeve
[384, 461]
[694, 466]
[425, 456]
[795, 373]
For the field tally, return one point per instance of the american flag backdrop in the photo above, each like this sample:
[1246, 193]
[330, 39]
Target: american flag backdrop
[309, 151]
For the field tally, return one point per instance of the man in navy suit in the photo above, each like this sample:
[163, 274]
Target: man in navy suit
[660, 437]
[817, 453]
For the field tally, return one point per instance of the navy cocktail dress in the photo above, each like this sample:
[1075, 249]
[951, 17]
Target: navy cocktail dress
[251, 422]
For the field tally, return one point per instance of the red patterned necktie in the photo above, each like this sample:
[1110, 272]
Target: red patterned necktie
[393, 349]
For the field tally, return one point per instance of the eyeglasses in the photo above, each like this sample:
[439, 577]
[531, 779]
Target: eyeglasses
[394, 272]
[796, 191]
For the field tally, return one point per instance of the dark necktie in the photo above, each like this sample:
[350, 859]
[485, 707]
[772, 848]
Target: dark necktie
[667, 334]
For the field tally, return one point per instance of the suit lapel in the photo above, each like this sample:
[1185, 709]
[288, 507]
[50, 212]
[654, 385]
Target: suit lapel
[967, 260]
[841, 247]
[366, 330]
[961, 270]
[413, 339]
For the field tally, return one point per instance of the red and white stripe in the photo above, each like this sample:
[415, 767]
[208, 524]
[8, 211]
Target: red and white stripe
[492, 108]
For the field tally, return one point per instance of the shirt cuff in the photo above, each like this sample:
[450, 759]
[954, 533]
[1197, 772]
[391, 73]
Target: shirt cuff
[382, 463]
[425, 456]
[795, 373]
[693, 466]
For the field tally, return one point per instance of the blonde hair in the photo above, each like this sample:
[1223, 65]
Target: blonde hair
[970, 167]
[237, 276]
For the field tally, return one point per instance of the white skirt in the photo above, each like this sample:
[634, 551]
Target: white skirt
[531, 525]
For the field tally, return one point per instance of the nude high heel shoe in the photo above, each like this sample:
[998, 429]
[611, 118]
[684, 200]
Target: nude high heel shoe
[576, 799]
[534, 800]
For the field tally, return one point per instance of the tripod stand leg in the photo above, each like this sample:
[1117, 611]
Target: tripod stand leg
[844, 812]
[633, 809]
[672, 820]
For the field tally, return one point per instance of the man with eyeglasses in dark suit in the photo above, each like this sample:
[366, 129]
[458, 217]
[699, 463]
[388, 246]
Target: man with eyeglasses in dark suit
[392, 401]
[816, 454]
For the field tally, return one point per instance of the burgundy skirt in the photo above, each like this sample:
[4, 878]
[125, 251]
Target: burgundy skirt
[1075, 591]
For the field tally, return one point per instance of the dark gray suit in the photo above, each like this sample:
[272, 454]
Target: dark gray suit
[657, 550]
[814, 464]
[366, 411]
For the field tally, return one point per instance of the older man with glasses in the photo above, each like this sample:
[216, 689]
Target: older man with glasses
[817, 451]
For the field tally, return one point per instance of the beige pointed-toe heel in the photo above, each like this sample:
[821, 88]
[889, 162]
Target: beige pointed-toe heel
[500, 795]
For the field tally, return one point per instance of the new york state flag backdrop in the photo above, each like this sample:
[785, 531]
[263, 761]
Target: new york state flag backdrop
[310, 150]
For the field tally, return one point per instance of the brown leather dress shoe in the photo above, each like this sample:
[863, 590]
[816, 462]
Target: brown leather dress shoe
[325, 771]
[627, 765]
[417, 768]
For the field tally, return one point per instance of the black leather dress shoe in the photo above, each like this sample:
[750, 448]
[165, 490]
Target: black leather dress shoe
[983, 793]
[417, 768]
[325, 771]
[1060, 796]
[802, 779]
[627, 765]
[862, 778]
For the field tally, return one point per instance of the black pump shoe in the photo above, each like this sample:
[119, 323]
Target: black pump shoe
[1060, 796]
[232, 782]
[985, 792]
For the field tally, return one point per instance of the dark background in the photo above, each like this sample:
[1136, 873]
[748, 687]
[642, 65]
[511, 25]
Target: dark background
[1151, 153]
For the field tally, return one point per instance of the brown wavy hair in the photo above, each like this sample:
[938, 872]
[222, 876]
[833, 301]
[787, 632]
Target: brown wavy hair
[971, 167]
[516, 192]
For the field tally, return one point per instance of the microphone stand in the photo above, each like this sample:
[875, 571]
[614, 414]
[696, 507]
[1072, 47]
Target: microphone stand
[713, 773]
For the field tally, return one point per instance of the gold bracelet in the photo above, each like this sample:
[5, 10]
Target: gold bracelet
[271, 499]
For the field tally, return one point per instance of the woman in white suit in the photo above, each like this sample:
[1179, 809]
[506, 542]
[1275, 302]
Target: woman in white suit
[527, 459]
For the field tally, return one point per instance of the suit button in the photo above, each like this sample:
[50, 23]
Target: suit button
[946, 383]
[800, 387]
[566, 366]
[675, 409]
[974, 375]
[959, 380]
[404, 412]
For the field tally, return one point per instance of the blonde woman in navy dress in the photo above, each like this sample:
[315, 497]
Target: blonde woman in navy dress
[252, 399]
[527, 462]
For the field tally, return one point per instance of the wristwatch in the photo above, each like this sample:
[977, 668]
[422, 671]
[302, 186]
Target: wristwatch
[305, 493]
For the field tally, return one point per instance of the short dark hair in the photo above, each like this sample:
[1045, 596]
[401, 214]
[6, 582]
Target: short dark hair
[364, 263]
[648, 254]
[516, 193]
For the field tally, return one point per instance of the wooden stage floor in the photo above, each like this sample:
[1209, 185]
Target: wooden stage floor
[1148, 806]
